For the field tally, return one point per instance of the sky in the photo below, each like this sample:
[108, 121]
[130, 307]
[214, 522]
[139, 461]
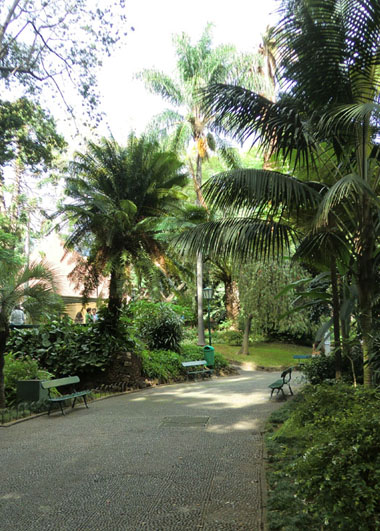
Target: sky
[125, 101]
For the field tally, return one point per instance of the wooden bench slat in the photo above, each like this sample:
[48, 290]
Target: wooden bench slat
[194, 363]
[189, 365]
[69, 380]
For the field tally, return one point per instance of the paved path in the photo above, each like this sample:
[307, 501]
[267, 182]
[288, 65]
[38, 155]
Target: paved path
[179, 457]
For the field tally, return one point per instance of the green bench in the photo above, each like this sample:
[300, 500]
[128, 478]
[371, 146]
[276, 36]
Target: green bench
[278, 385]
[73, 394]
[196, 367]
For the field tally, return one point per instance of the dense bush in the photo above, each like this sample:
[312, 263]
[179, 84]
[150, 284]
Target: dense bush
[158, 325]
[321, 368]
[20, 369]
[326, 457]
[162, 365]
[64, 348]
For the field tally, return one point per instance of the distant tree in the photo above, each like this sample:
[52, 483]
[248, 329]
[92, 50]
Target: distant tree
[48, 44]
[29, 151]
[262, 305]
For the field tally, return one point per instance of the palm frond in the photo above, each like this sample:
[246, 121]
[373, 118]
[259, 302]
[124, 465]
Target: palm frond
[349, 188]
[160, 83]
[252, 189]
[238, 239]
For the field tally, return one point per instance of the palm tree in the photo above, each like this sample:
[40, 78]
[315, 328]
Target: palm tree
[197, 66]
[115, 191]
[34, 287]
[329, 67]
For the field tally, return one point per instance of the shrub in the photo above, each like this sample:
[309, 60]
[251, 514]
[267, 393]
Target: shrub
[161, 364]
[231, 337]
[158, 325]
[21, 369]
[327, 452]
[322, 368]
[66, 349]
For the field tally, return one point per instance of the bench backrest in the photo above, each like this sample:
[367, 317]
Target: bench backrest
[193, 363]
[70, 380]
[286, 375]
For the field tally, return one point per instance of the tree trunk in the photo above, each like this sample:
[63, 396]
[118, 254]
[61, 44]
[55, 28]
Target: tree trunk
[199, 268]
[366, 283]
[232, 301]
[336, 319]
[247, 330]
[115, 299]
[201, 326]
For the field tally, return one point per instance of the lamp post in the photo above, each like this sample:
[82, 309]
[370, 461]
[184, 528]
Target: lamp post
[207, 295]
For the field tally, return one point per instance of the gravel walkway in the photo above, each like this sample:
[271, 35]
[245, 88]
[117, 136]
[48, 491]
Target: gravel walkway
[177, 457]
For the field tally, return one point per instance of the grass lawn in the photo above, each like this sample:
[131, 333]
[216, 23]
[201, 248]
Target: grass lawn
[264, 354]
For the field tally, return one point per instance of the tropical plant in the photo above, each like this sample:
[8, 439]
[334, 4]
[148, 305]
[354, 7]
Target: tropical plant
[325, 125]
[33, 286]
[158, 324]
[197, 66]
[116, 191]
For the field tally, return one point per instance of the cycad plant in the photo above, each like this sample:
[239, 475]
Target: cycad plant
[33, 286]
[114, 191]
[324, 124]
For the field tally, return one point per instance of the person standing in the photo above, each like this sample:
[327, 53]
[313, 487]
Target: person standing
[89, 318]
[17, 316]
[94, 315]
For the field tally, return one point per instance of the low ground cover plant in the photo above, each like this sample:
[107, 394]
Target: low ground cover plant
[324, 454]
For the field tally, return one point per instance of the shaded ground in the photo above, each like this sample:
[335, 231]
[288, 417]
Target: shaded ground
[178, 457]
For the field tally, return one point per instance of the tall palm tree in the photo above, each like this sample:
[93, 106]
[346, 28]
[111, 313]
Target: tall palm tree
[33, 286]
[114, 191]
[328, 110]
[197, 66]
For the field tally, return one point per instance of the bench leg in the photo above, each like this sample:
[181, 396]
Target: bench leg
[61, 406]
[49, 408]
[73, 404]
[290, 389]
[85, 401]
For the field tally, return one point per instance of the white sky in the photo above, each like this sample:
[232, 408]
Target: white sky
[127, 104]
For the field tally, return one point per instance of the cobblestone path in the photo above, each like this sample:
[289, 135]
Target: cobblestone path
[178, 457]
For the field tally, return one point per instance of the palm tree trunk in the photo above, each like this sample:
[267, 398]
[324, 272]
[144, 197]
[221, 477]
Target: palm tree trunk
[115, 299]
[231, 301]
[199, 275]
[336, 319]
[199, 268]
[366, 282]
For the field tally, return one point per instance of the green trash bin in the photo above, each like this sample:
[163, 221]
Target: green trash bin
[209, 354]
[30, 391]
